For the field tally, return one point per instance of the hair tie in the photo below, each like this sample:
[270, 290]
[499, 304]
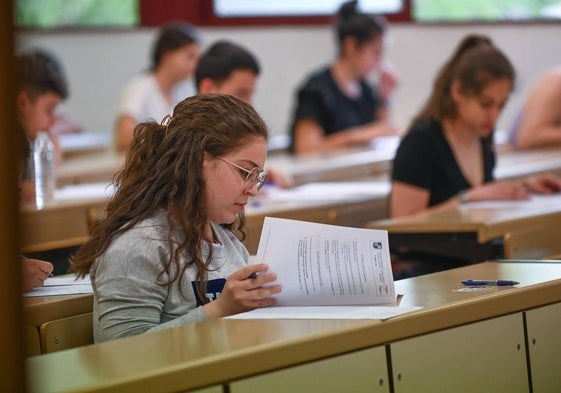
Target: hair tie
[166, 121]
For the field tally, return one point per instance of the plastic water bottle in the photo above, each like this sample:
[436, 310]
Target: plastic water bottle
[44, 169]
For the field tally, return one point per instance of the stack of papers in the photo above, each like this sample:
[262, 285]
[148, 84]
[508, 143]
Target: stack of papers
[66, 284]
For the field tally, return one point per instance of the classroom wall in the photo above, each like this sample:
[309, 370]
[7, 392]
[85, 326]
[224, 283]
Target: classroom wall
[99, 64]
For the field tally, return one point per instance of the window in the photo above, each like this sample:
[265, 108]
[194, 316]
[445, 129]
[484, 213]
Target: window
[485, 10]
[47, 14]
[272, 8]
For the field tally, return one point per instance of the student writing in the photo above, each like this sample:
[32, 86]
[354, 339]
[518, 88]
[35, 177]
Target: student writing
[336, 107]
[447, 156]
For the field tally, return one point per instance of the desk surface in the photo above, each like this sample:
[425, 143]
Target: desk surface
[488, 220]
[38, 310]
[188, 357]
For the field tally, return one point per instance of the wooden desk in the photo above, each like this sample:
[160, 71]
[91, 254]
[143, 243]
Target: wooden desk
[80, 143]
[59, 225]
[251, 351]
[38, 310]
[515, 164]
[67, 224]
[91, 167]
[452, 232]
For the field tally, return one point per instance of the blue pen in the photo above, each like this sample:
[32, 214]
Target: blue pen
[501, 283]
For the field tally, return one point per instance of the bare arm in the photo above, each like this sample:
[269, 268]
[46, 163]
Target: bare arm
[406, 199]
[541, 121]
[310, 137]
[124, 132]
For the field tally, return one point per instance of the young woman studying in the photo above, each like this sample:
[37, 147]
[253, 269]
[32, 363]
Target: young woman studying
[152, 95]
[169, 251]
[336, 107]
[447, 156]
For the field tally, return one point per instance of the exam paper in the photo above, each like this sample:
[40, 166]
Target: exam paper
[327, 265]
[326, 312]
[66, 284]
[536, 202]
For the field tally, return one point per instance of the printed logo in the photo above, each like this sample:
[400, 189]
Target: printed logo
[213, 290]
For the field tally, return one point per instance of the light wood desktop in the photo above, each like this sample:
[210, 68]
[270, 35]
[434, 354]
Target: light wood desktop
[253, 355]
[452, 232]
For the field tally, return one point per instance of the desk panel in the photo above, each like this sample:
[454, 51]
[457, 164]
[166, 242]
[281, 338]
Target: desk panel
[39, 310]
[544, 325]
[487, 356]
[359, 372]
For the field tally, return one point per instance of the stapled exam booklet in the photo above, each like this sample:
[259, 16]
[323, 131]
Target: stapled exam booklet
[324, 267]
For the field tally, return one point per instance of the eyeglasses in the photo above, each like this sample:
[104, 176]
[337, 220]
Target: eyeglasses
[255, 176]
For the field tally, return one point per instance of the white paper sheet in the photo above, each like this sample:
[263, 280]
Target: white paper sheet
[326, 312]
[324, 191]
[85, 191]
[327, 265]
[536, 202]
[66, 284]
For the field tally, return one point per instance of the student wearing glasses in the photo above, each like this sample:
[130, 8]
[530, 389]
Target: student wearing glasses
[447, 156]
[169, 251]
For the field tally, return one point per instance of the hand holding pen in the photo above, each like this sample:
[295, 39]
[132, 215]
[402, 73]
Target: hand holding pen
[245, 289]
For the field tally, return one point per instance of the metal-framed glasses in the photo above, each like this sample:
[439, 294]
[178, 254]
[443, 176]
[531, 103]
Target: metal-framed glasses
[255, 176]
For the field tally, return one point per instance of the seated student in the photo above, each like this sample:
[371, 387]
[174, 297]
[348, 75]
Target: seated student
[336, 108]
[153, 95]
[447, 156]
[34, 271]
[41, 87]
[169, 245]
[539, 123]
[228, 68]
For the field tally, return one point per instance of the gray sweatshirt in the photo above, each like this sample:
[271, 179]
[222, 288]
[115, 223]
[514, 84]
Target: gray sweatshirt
[127, 297]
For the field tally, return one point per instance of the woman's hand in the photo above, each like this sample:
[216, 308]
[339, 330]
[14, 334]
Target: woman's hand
[498, 190]
[243, 293]
[543, 184]
[35, 272]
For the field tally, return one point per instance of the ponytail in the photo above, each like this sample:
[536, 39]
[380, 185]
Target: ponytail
[362, 27]
[474, 63]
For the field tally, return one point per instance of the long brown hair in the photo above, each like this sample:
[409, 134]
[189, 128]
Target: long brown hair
[163, 170]
[475, 63]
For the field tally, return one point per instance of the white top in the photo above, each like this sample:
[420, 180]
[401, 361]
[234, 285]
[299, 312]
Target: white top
[143, 99]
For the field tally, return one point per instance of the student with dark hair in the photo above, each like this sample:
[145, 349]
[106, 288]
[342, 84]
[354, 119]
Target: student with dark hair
[41, 86]
[227, 68]
[336, 107]
[447, 156]
[153, 95]
[168, 252]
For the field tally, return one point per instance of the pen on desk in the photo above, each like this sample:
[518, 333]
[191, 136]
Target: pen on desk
[501, 283]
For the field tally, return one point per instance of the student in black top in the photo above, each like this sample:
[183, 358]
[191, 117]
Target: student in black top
[447, 157]
[336, 107]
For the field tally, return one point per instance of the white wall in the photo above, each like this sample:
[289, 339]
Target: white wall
[99, 64]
